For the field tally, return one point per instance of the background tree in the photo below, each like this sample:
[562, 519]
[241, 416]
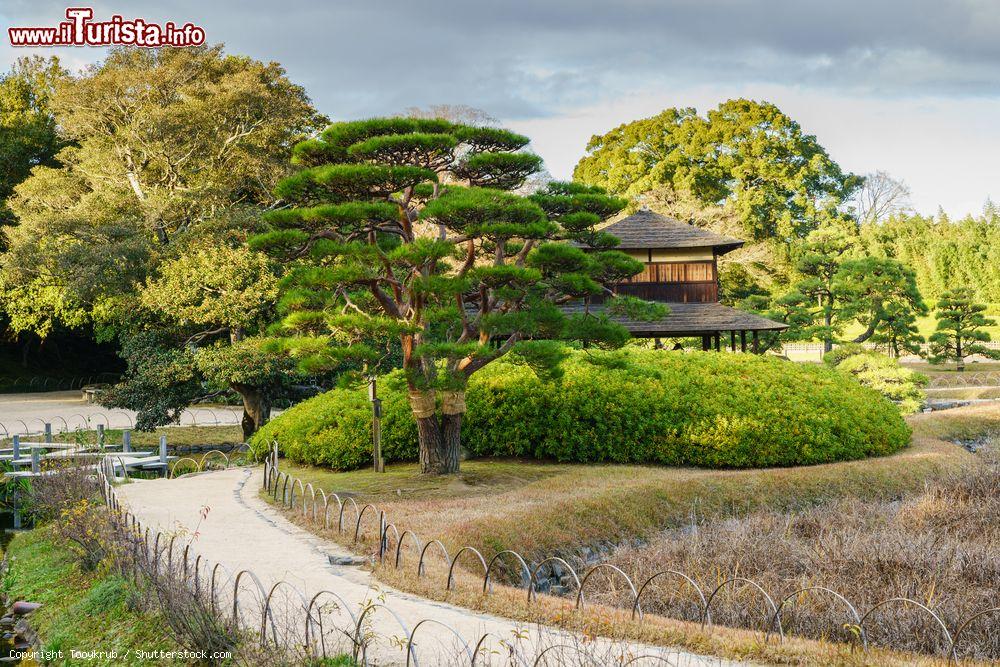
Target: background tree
[459, 273]
[28, 136]
[225, 294]
[749, 155]
[959, 332]
[942, 251]
[161, 143]
[879, 198]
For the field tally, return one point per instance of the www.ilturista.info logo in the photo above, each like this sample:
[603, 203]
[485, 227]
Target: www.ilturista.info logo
[79, 30]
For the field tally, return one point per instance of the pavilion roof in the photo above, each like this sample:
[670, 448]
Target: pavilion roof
[690, 319]
[647, 230]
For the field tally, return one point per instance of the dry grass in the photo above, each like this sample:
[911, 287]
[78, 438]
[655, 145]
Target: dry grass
[938, 547]
[964, 393]
[598, 620]
[540, 508]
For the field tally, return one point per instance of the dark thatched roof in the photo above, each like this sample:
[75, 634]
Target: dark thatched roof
[691, 319]
[647, 230]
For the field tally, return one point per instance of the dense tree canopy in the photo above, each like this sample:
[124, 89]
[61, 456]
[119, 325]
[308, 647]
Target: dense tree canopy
[160, 142]
[944, 253]
[205, 304]
[408, 227]
[779, 181]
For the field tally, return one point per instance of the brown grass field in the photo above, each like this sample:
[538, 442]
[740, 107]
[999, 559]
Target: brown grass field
[542, 509]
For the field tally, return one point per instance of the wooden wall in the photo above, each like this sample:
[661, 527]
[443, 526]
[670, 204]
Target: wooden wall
[678, 282]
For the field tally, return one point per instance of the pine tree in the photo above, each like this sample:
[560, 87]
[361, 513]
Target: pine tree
[409, 228]
[959, 331]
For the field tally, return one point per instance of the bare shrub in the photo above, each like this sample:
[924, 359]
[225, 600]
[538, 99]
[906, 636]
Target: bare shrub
[70, 482]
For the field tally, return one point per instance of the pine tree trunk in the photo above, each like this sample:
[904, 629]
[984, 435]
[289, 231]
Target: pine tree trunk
[958, 354]
[440, 437]
[451, 444]
[827, 321]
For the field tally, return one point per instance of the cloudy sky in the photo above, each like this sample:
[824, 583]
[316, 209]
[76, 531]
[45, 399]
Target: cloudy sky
[908, 86]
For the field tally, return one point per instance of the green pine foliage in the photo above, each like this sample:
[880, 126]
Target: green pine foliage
[625, 406]
[411, 229]
[960, 325]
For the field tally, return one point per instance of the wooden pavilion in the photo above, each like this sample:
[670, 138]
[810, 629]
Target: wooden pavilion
[681, 270]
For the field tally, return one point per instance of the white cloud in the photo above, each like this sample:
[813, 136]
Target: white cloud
[909, 86]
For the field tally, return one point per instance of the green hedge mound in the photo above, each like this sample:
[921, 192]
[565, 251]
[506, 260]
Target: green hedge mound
[633, 406]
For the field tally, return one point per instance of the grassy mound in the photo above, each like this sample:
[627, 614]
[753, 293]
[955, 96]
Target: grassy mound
[634, 406]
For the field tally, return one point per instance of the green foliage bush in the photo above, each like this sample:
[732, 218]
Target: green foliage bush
[630, 406]
[903, 386]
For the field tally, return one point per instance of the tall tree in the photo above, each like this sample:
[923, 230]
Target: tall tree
[779, 180]
[814, 301]
[460, 273]
[161, 142]
[959, 333]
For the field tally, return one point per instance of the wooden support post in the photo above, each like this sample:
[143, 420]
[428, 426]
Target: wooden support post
[48, 432]
[732, 341]
[16, 441]
[377, 460]
[756, 343]
[163, 453]
[36, 466]
[100, 435]
[126, 440]
[743, 341]
[718, 342]
[706, 343]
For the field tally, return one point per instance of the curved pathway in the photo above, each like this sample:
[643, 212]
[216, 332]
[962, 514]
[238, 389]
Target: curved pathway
[241, 531]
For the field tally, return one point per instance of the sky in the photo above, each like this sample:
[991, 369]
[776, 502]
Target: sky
[911, 87]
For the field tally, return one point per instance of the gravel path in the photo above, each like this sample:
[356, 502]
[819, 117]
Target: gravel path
[69, 410]
[242, 532]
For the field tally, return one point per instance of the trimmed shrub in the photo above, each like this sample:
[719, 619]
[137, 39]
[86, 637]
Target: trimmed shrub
[903, 386]
[629, 406]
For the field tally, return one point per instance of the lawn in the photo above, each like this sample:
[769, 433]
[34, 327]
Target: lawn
[80, 611]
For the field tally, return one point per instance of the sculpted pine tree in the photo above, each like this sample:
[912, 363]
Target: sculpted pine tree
[959, 332]
[409, 227]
